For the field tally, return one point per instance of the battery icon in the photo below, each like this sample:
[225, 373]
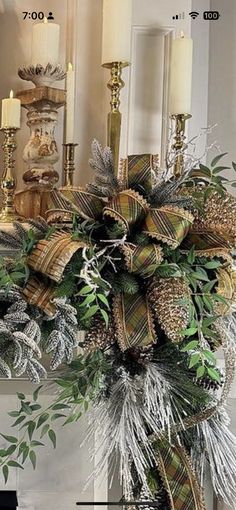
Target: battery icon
[211, 15]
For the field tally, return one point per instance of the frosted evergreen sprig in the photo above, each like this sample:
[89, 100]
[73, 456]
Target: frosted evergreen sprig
[105, 182]
[20, 337]
[166, 193]
[22, 237]
[63, 339]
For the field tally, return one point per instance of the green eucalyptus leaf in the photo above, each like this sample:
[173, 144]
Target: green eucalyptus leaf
[194, 360]
[13, 463]
[36, 393]
[88, 300]
[190, 331]
[19, 420]
[32, 456]
[199, 303]
[56, 416]
[105, 317]
[190, 346]
[104, 300]
[213, 374]
[57, 407]
[31, 429]
[11, 449]
[208, 303]
[5, 471]
[218, 158]
[219, 169]
[91, 312]
[52, 437]
[21, 396]
[44, 430]
[85, 290]
[44, 417]
[191, 255]
[212, 264]
[200, 371]
[209, 286]
[26, 408]
[221, 299]
[70, 419]
[10, 439]
[3, 453]
[36, 443]
[209, 356]
[14, 414]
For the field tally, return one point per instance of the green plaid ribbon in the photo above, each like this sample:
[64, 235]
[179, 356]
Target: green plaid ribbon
[142, 260]
[168, 224]
[133, 320]
[79, 200]
[137, 171]
[127, 208]
[204, 240]
[178, 477]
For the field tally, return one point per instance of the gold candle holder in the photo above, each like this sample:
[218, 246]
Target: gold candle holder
[8, 181]
[69, 164]
[179, 146]
[115, 84]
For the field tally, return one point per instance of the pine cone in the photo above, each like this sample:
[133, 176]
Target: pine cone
[164, 295]
[99, 337]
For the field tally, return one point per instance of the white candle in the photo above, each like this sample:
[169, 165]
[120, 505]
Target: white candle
[70, 104]
[45, 43]
[11, 110]
[117, 18]
[181, 75]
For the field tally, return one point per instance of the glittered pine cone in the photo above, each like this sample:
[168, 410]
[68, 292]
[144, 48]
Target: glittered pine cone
[164, 295]
[219, 217]
[98, 336]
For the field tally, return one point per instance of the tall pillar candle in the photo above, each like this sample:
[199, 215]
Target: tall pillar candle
[181, 75]
[116, 40]
[70, 104]
[11, 111]
[45, 43]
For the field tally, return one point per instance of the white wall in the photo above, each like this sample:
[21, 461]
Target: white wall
[222, 78]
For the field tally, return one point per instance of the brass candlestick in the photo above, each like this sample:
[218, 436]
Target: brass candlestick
[115, 85]
[8, 182]
[69, 164]
[179, 146]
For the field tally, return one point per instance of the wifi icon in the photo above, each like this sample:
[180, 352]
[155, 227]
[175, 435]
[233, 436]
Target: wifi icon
[194, 14]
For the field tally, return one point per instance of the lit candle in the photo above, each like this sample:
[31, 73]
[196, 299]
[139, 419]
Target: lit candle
[181, 75]
[117, 18]
[45, 43]
[70, 103]
[11, 110]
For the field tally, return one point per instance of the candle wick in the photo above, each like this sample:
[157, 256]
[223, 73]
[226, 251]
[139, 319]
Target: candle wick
[182, 34]
[11, 95]
[45, 20]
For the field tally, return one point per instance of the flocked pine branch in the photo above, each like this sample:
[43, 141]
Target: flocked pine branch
[20, 336]
[20, 234]
[105, 182]
[63, 339]
[165, 193]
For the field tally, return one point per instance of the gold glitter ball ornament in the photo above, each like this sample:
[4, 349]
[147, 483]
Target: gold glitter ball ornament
[164, 295]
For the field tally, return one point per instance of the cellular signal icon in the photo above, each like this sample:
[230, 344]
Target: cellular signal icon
[194, 14]
[181, 15]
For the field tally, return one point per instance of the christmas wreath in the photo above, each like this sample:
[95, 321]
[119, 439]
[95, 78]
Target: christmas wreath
[143, 265]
